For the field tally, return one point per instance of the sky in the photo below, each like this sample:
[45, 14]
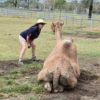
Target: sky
[66, 0]
[70, 0]
[1, 1]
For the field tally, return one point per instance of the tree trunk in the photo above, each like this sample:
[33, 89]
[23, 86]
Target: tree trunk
[15, 3]
[28, 4]
[90, 9]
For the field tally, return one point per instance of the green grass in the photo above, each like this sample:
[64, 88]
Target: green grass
[10, 46]
[19, 80]
[78, 29]
[38, 88]
[32, 98]
[17, 89]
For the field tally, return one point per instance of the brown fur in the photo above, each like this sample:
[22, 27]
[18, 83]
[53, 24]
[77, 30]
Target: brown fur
[61, 67]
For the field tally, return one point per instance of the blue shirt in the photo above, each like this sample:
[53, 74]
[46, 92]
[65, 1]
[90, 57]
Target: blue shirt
[33, 32]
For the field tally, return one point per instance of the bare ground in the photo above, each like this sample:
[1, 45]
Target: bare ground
[92, 36]
[92, 29]
[88, 87]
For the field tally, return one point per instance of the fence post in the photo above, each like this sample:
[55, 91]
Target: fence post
[81, 23]
[91, 24]
[66, 19]
[73, 20]
[44, 14]
[6, 13]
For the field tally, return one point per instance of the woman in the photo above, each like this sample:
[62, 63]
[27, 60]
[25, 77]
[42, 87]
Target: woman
[27, 38]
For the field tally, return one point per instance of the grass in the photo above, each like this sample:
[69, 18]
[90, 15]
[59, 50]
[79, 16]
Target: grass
[9, 43]
[78, 29]
[20, 80]
[32, 98]
[17, 89]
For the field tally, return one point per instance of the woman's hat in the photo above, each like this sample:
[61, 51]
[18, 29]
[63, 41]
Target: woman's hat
[40, 21]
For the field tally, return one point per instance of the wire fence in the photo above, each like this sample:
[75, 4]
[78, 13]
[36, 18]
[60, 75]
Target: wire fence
[72, 19]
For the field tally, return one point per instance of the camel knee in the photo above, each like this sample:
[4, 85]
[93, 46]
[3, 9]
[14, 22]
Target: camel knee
[48, 86]
[41, 76]
[44, 76]
[72, 82]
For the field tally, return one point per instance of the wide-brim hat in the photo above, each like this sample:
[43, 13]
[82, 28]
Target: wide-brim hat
[40, 21]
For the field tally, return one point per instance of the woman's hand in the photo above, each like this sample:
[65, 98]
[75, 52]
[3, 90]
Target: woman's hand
[28, 45]
[28, 42]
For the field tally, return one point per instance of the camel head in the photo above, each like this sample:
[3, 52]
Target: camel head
[57, 26]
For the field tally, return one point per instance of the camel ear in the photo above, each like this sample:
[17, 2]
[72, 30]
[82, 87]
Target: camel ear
[53, 23]
[52, 27]
[62, 23]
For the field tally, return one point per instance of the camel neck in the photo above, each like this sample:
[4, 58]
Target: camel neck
[58, 36]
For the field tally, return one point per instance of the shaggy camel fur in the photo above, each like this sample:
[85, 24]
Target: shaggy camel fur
[61, 67]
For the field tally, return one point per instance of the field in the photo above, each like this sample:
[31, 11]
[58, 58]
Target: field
[19, 82]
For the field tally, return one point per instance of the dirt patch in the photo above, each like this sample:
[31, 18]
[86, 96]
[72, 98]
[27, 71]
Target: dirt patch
[92, 29]
[88, 87]
[93, 36]
[29, 61]
[6, 66]
[88, 63]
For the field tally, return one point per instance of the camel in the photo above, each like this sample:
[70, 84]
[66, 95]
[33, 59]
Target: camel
[61, 68]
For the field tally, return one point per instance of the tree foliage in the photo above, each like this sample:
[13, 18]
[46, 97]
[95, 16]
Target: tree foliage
[60, 4]
[13, 2]
[77, 6]
[85, 3]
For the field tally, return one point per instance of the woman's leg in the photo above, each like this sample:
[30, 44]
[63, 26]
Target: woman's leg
[33, 50]
[22, 52]
[23, 49]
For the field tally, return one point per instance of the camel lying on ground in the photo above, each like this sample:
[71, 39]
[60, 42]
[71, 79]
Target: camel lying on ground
[61, 68]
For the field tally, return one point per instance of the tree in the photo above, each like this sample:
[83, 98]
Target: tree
[75, 5]
[85, 3]
[84, 6]
[96, 7]
[60, 4]
[49, 4]
[28, 1]
[12, 2]
[90, 10]
[37, 4]
[33, 3]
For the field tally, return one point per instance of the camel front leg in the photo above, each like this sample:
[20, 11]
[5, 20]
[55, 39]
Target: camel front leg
[56, 86]
[72, 82]
[76, 68]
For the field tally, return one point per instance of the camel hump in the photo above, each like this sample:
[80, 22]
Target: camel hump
[68, 42]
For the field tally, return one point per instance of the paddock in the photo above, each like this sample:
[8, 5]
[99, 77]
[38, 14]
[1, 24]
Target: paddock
[19, 82]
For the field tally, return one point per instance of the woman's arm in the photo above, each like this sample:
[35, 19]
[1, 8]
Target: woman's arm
[28, 42]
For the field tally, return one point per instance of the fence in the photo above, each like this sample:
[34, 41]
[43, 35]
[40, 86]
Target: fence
[73, 19]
